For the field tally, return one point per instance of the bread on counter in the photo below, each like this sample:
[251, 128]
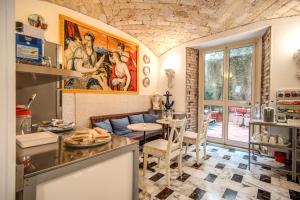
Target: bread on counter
[86, 137]
[101, 133]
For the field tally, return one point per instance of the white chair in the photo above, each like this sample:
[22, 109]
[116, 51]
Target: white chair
[199, 138]
[167, 149]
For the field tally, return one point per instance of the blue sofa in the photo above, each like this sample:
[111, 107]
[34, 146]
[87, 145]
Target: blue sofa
[117, 124]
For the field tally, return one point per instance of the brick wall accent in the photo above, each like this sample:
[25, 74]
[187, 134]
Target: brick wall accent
[266, 65]
[191, 95]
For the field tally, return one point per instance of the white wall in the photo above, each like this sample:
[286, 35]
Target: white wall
[72, 110]
[7, 101]
[285, 41]
[178, 89]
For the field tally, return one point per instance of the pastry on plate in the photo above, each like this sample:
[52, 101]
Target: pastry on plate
[81, 132]
[102, 133]
[80, 135]
[86, 137]
[87, 141]
[69, 140]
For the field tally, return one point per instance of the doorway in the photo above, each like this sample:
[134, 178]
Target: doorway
[228, 77]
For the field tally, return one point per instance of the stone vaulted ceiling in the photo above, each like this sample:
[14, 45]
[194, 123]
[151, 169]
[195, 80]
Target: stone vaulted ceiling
[164, 24]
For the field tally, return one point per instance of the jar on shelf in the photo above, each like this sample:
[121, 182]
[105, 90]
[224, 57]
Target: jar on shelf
[23, 120]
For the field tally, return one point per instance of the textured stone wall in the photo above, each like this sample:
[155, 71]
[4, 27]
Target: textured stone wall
[192, 88]
[266, 65]
[164, 24]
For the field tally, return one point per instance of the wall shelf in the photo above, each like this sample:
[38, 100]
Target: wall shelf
[31, 75]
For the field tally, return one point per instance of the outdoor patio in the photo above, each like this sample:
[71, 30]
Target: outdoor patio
[238, 129]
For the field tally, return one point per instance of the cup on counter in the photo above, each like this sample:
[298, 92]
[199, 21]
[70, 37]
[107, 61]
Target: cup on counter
[273, 139]
[257, 137]
[265, 138]
[282, 140]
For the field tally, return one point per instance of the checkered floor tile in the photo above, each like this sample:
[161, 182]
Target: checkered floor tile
[223, 175]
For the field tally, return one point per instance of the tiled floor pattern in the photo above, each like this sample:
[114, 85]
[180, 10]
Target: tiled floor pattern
[224, 175]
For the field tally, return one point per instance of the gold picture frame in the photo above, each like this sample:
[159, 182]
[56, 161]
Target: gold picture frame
[105, 60]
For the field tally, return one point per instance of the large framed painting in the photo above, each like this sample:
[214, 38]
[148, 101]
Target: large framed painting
[108, 63]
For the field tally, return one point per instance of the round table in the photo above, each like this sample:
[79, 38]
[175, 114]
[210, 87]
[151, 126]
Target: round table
[163, 121]
[144, 127]
[166, 123]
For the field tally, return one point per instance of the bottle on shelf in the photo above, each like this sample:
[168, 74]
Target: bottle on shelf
[268, 112]
[256, 112]
[262, 107]
[272, 104]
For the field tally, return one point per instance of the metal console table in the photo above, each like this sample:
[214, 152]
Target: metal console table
[293, 147]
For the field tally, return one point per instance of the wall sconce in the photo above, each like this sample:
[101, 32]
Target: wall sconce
[297, 59]
[169, 64]
[170, 73]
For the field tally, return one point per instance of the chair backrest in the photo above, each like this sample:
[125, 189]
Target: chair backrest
[205, 128]
[176, 134]
[204, 122]
[207, 116]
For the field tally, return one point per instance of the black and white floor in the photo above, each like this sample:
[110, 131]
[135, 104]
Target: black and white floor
[224, 175]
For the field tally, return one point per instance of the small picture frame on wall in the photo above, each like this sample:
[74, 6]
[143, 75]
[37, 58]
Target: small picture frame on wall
[146, 70]
[146, 59]
[146, 82]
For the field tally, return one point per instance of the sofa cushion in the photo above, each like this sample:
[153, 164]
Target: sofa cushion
[136, 119]
[120, 126]
[150, 118]
[104, 125]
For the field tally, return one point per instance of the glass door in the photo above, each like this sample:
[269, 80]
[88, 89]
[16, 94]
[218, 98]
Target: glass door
[214, 92]
[240, 97]
[228, 92]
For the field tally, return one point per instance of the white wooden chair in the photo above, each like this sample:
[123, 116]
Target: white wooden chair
[167, 149]
[199, 138]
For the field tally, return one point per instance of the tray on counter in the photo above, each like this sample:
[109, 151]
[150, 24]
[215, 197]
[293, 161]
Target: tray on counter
[54, 129]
